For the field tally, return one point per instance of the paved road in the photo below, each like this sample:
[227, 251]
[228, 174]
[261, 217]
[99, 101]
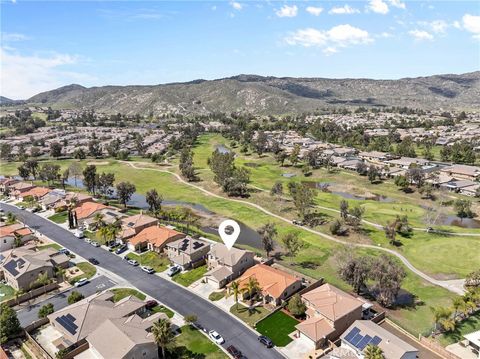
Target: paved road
[455, 286]
[29, 314]
[175, 297]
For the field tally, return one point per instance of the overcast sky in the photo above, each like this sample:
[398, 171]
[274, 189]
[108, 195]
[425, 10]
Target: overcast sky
[46, 45]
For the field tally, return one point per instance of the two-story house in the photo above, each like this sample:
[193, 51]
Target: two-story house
[188, 252]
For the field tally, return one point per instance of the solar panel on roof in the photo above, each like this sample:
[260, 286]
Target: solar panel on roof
[356, 339]
[70, 317]
[67, 324]
[352, 333]
[364, 342]
[130, 224]
[376, 340]
[11, 267]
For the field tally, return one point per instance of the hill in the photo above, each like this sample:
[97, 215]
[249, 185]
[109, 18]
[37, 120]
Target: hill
[271, 95]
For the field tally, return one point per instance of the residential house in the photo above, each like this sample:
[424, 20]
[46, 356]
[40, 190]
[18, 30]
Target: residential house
[276, 286]
[188, 252]
[36, 193]
[6, 183]
[133, 225]
[471, 191]
[408, 162]
[330, 311]
[153, 238]
[18, 188]
[365, 332]
[51, 199]
[457, 186]
[9, 233]
[374, 157]
[351, 164]
[473, 342]
[102, 322]
[86, 212]
[110, 215]
[22, 266]
[462, 172]
[226, 264]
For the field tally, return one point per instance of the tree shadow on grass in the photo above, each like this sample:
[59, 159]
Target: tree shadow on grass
[182, 352]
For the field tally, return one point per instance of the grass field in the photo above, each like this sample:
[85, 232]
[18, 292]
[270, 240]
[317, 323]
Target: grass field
[6, 292]
[197, 344]
[151, 259]
[191, 276]
[277, 327]
[120, 293]
[60, 217]
[249, 316]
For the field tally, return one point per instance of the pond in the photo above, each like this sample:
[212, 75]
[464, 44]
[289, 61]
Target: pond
[247, 236]
[222, 149]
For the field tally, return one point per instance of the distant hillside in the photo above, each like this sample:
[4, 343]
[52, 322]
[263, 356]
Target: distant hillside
[8, 101]
[271, 95]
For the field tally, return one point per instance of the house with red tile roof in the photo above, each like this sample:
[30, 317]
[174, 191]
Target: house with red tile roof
[36, 193]
[12, 231]
[153, 238]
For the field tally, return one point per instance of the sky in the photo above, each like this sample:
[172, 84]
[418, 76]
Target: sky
[45, 45]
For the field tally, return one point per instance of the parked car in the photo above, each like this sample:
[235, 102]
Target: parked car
[78, 233]
[88, 240]
[132, 262]
[81, 282]
[234, 352]
[297, 222]
[64, 251]
[151, 303]
[173, 270]
[148, 269]
[217, 338]
[265, 341]
[21, 207]
[95, 243]
[93, 261]
[121, 249]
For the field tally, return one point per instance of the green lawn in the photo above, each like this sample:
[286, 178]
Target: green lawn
[470, 325]
[191, 276]
[249, 316]
[51, 245]
[152, 259]
[60, 217]
[6, 292]
[195, 344]
[277, 327]
[214, 296]
[120, 293]
[162, 309]
[88, 270]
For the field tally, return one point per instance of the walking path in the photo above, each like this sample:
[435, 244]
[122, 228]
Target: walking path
[455, 286]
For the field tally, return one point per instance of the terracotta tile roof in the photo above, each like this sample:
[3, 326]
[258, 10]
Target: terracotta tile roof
[156, 235]
[315, 328]
[331, 302]
[18, 228]
[86, 209]
[272, 281]
[37, 192]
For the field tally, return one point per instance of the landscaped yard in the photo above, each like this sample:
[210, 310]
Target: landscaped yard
[277, 327]
[6, 292]
[214, 296]
[249, 316]
[60, 217]
[198, 345]
[51, 245]
[88, 270]
[191, 276]
[151, 259]
[470, 325]
[120, 293]
[162, 309]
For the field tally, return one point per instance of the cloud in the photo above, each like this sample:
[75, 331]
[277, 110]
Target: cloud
[378, 6]
[421, 35]
[436, 26]
[236, 5]
[314, 10]
[11, 37]
[346, 9]
[330, 41]
[398, 4]
[471, 23]
[23, 76]
[287, 11]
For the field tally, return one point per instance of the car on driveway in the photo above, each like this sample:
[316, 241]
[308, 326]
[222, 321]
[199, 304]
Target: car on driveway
[265, 341]
[173, 270]
[151, 303]
[148, 269]
[121, 249]
[217, 338]
[93, 261]
[95, 243]
[234, 352]
[81, 282]
[64, 251]
[132, 262]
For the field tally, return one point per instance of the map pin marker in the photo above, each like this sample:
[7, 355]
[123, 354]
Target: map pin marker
[229, 238]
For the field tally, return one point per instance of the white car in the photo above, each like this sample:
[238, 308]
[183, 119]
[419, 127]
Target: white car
[78, 233]
[88, 240]
[148, 269]
[95, 244]
[81, 282]
[132, 262]
[173, 270]
[217, 338]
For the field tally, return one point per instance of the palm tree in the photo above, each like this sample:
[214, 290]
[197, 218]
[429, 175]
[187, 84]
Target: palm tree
[457, 304]
[373, 352]
[235, 288]
[98, 220]
[442, 318]
[103, 233]
[11, 218]
[43, 280]
[163, 335]
[113, 231]
[251, 288]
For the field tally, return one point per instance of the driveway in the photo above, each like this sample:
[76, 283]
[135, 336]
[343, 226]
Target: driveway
[179, 299]
[29, 314]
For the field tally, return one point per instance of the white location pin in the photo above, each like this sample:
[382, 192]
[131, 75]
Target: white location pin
[229, 239]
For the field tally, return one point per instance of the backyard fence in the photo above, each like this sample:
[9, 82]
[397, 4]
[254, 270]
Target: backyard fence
[31, 294]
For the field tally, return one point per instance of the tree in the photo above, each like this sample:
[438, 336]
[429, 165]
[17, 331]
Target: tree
[237, 184]
[442, 317]
[473, 279]
[280, 157]
[6, 151]
[154, 201]
[125, 190]
[113, 147]
[402, 226]
[373, 352]
[373, 174]
[75, 170]
[49, 172]
[277, 190]
[90, 178]
[354, 218]
[9, 323]
[186, 164]
[55, 149]
[388, 275]
[260, 143]
[42, 280]
[45, 310]
[415, 175]
[98, 221]
[23, 172]
[302, 197]
[354, 270]
[32, 166]
[296, 306]
[251, 287]
[74, 297]
[11, 218]
[292, 243]
[94, 148]
[390, 232]
[343, 209]
[235, 289]
[427, 191]
[79, 154]
[294, 154]
[268, 232]
[35, 151]
[463, 207]
[402, 183]
[190, 318]
[104, 183]
[163, 335]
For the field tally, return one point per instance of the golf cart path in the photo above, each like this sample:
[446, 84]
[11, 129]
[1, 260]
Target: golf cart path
[455, 286]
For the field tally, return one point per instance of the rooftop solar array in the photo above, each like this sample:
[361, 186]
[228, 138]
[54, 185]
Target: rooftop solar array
[197, 245]
[359, 341]
[13, 265]
[67, 321]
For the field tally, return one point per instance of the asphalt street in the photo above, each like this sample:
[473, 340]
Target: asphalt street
[172, 295]
[29, 314]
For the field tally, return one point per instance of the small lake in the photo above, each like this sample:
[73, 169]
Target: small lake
[247, 236]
